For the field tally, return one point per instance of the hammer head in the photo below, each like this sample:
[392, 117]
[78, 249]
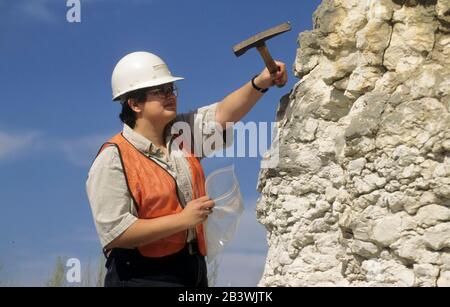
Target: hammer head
[260, 39]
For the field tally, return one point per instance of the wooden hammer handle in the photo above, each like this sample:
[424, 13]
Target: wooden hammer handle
[268, 60]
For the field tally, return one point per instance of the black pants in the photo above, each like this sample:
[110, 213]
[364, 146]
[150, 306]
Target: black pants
[128, 268]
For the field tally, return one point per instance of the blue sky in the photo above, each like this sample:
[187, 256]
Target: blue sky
[56, 111]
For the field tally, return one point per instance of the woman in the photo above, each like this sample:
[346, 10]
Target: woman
[149, 203]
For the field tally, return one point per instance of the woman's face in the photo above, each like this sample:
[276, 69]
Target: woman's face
[161, 104]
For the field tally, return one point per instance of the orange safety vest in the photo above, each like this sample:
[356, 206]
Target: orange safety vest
[154, 192]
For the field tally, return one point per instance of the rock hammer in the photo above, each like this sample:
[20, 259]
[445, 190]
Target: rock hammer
[259, 41]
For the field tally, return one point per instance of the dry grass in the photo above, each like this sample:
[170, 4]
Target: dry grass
[93, 275]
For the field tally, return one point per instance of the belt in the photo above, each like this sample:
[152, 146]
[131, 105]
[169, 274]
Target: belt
[190, 248]
[193, 248]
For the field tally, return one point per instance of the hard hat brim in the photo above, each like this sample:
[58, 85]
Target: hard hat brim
[156, 82]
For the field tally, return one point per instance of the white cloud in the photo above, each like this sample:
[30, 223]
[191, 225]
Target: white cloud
[30, 11]
[38, 9]
[51, 11]
[81, 152]
[14, 145]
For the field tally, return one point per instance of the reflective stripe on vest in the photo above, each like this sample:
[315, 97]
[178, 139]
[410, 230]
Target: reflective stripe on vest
[154, 192]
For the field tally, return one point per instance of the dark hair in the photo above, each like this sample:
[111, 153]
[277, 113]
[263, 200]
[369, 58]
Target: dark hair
[128, 116]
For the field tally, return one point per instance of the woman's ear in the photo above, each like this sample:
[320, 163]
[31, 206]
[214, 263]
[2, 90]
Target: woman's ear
[134, 105]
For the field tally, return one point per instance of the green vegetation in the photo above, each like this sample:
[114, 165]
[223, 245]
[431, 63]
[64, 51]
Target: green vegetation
[92, 275]
[58, 278]
[1, 269]
[101, 273]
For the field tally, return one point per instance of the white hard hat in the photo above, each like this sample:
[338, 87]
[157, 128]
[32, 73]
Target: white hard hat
[139, 70]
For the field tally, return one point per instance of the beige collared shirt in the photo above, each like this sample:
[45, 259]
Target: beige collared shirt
[112, 206]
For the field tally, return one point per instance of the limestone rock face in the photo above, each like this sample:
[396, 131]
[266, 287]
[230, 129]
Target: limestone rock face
[361, 193]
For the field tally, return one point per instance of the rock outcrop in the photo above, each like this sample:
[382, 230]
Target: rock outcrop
[361, 193]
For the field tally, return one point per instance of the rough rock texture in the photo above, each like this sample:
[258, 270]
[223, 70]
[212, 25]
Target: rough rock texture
[361, 193]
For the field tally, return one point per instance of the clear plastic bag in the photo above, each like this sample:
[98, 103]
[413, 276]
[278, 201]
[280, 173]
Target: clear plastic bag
[222, 187]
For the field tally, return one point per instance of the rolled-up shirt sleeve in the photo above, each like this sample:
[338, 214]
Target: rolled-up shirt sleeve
[207, 135]
[111, 203]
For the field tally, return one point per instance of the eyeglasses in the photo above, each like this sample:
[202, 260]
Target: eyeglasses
[164, 91]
